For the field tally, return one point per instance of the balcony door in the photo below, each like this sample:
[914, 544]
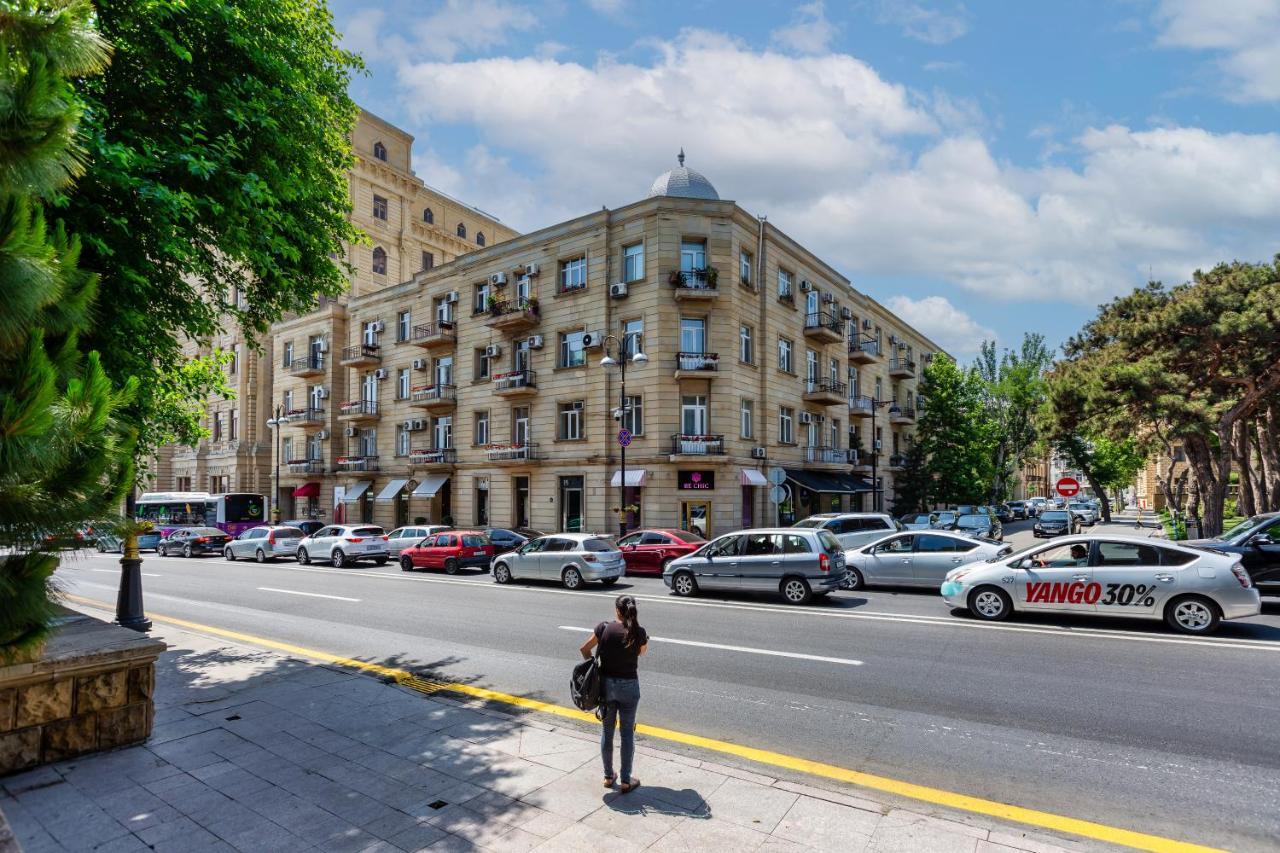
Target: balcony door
[369, 389]
[811, 369]
[444, 370]
[693, 414]
[693, 334]
[520, 501]
[693, 256]
[443, 433]
[521, 355]
[520, 426]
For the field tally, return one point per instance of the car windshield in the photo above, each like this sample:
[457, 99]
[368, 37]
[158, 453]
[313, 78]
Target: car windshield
[1053, 515]
[1245, 526]
[598, 545]
[972, 521]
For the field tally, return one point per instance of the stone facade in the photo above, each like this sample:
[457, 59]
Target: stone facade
[91, 688]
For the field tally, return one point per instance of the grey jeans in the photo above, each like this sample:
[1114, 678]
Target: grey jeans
[621, 698]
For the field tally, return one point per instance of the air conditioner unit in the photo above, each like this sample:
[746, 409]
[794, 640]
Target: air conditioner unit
[805, 418]
[351, 432]
[322, 392]
[451, 296]
[846, 314]
[493, 350]
[380, 373]
[866, 324]
[893, 340]
[377, 326]
[592, 340]
[322, 434]
[322, 345]
[498, 279]
[407, 425]
[805, 286]
[828, 298]
[619, 290]
[757, 453]
[419, 364]
[535, 342]
[419, 424]
[531, 269]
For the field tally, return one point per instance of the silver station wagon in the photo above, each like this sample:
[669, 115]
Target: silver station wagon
[798, 563]
[571, 558]
[264, 543]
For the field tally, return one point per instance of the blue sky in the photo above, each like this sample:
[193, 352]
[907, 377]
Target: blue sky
[984, 168]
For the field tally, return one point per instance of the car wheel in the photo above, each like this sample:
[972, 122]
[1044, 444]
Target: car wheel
[102, 548]
[260, 556]
[1191, 614]
[303, 557]
[501, 574]
[854, 579]
[571, 578]
[162, 551]
[406, 565]
[379, 561]
[229, 554]
[451, 566]
[990, 604]
[684, 585]
[796, 591]
[609, 581]
[666, 562]
[338, 558]
[186, 550]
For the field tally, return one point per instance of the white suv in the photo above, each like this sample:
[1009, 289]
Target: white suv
[854, 529]
[344, 544]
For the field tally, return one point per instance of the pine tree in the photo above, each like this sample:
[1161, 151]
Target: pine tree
[63, 457]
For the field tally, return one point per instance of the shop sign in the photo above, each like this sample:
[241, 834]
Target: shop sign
[696, 480]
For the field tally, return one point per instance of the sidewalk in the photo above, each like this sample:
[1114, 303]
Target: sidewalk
[258, 751]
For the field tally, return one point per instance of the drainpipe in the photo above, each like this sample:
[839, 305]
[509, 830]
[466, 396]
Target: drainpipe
[608, 375]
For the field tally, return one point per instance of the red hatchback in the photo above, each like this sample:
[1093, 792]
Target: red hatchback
[647, 552]
[450, 550]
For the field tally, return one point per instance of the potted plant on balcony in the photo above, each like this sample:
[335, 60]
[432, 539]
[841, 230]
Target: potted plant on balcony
[532, 304]
[676, 278]
[711, 274]
[491, 303]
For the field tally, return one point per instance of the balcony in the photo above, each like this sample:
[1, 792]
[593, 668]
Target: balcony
[904, 415]
[826, 456]
[860, 461]
[222, 448]
[434, 398]
[861, 406]
[435, 336]
[902, 368]
[357, 463]
[511, 454]
[897, 461]
[864, 350]
[515, 383]
[697, 365]
[305, 466]
[824, 326]
[361, 355]
[826, 392]
[306, 418]
[694, 284]
[512, 315]
[358, 411]
[430, 457]
[310, 366]
[697, 445]
[787, 297]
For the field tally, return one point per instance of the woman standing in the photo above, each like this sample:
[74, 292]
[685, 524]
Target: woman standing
[621, 642]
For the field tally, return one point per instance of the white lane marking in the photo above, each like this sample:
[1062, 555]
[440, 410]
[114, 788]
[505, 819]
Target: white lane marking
[117, 571]
[308, 594]
[746, 649]
[787, 610]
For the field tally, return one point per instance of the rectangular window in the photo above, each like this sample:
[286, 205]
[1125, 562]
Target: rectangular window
[482, 364]
[833, 370]
[573, 274]
[286, 448]
[633, 414]
[235, 425]
[572, 353]
[835, 432]
[810, 367]
[693, 255]
[879, 389]
[218, 484]
[693, 334]
[480, 304]
[443, 432]
[693, 414]
[570, 420]
[286, 400]
[234, 367]
[428, 260]
[443, 311]
[402, 441]
[287, 357]
[402, 384]
[404, 326]
[217, 426]
[632, 337]
[746, 345]
[444, 370]
[633, 262]
[379, 208]
[482, 428]
[744, 267]
[520, 426]
[747, 418]
[520, 354]
[786, 425]
[785, 362]
[784, 284]
[371, 333]
[316, 398]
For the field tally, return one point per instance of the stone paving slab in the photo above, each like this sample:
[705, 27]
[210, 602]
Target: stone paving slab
[255, 751]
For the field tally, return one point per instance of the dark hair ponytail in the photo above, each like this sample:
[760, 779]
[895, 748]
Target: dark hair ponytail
[626, 606]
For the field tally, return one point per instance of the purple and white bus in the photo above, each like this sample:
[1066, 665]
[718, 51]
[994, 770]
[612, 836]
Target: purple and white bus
[233, 512]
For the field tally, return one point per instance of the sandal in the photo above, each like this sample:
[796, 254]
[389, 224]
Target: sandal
[628, 787]
[609, 780]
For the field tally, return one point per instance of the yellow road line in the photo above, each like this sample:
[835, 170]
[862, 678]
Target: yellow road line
[923, 793]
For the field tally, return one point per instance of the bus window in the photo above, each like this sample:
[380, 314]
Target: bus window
[243, 507]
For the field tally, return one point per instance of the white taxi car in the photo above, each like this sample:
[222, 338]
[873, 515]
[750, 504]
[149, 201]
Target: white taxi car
[1189, 588]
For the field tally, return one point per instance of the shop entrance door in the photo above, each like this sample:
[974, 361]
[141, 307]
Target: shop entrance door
[695, 516]
[571, 489]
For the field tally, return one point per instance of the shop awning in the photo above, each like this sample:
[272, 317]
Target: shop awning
[388, 494]
[753, 477]
[828, 483]
[635, 478]
[355, 491]
[307, 490]
[428, 487]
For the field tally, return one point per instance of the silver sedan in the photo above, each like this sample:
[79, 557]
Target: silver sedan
[1190, 589]
[916, 559]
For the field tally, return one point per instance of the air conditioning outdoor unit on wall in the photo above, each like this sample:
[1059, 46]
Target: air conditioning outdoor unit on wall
[378, 325]
[322, 434]
[846, 314]
[828, 298]
[322, 345]
[757, 453]
[877, 443]
[498, 279]
[322, 392]
[419, 424]
[419, 364]
[531, 269]
[619, 290]
[593, 340]
[351, 432]
[805, 286]
[535, 342]
[451, 296]
[407, 425]
[805, 418]
[380, 374]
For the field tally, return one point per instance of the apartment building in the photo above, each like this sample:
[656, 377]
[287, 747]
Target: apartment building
[473, 393]
[411, 227]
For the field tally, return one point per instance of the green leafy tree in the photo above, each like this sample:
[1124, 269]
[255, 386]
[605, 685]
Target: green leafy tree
[216, 193]
[63, 456]
[912, 486]
[1014, 391]
[954, 435]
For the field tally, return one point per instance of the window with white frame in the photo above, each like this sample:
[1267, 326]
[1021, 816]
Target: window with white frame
[379, 208]
[402, 440]
[835, 432]
[520, 426]
[444, 370]
[744, 267]
[482, 428]
[633, 262]
[573, 274]
[287, 353]
[786, 425]
[368, 443]
[693, 414]
[482, 370]
[746, 344]
[747, 418]
[404, 325]
[572, 352]
[234, 367]
[784, 283]
[442, 431]
[693, 334]
[879, 389]
[402, 384]
[693, 255]
[286, 401]
[286, 448]
[811, 368]
[370, 333]
[481, 300]
[317, 397]
[235, 425]
[520, 353]
[443, 310]
[786, 361]
[379, 264]
[632, 337]
[633, 414]
[369, 388]
[833, 370]
[570, 420]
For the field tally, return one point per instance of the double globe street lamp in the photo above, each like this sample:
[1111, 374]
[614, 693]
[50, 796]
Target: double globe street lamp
[275, 424]
[638, 357]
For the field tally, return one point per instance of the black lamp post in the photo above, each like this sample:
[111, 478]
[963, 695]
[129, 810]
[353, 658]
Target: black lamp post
[621, 362]
[274, 424]
[875, 451]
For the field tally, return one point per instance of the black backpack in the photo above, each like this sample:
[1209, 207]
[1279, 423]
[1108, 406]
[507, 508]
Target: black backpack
[586, 684]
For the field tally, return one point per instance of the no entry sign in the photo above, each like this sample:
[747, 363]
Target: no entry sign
[1068, 487]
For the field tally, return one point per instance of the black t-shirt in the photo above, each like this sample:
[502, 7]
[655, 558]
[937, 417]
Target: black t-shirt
[616, 659]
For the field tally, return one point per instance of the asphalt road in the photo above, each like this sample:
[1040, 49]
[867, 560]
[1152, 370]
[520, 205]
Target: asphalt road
[1108, 720]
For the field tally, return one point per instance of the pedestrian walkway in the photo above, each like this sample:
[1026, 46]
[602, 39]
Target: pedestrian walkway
[257, 751]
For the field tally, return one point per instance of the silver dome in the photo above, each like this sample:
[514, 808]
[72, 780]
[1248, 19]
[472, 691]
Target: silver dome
[683, 183]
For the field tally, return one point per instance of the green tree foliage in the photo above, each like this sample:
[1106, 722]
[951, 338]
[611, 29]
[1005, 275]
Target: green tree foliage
[1107, 464]
[954, 436]
[63, 456]
[911, 488]
[1014, 391]
[216, 192]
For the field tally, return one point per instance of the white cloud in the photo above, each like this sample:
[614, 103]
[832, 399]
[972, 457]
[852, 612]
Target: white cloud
[948, 326]
[932, 26]
[611, 8]
[809, 31]
[1244, 33]
[455, 27]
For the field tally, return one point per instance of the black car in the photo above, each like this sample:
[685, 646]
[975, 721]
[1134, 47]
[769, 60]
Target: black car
[1056, 522]
[1256, 542]
[306, 525]
[1018, 509]
[505, 539]
[1004, 512]
[980, 524]
[193, 541]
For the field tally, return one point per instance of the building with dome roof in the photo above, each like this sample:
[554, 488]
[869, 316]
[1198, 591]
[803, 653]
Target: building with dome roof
[472, 392]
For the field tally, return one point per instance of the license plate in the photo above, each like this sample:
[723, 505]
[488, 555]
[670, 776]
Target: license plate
[288, 543]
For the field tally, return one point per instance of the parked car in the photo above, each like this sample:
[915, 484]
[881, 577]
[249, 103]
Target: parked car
[343, 544]
[1018, 510]
[916, 559]
[306, 525]
[192, 541]
[1255, 542]
[1056, 522]
[1191, 589]
[571, 558]
[647, 552]
[980, 524]
[506, 539]
[852, 528]
[946, 519]
[797, 562]
[1035, 506]
[107, 542]
[406, 537]
[450, 550]
[265, 543]
[918, 520]
[1087, 512]
[1003, 513]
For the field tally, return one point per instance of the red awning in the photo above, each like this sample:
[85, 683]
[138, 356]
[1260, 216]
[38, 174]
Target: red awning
[307, 490]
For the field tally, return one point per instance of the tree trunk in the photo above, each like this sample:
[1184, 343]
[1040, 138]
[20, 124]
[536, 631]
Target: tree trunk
[1097, 490]
[1212, 472]
[1268, 422]
[1240, 450]
[1193, 507]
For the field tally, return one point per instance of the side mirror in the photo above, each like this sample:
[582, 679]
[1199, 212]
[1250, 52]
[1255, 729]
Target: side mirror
[1260, 539]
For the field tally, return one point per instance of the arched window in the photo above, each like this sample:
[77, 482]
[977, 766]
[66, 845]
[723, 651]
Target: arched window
[379, 151]
[428, 217]
[479, 238]
[379, 260]
[462, 230]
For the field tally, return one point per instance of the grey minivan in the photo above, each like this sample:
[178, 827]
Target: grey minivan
[797, 562]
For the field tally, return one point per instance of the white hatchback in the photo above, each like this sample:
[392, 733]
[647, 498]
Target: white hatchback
[344, 544]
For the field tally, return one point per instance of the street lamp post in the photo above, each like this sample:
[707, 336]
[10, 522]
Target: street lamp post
[875, 451]
[621, 362]
[274, 424]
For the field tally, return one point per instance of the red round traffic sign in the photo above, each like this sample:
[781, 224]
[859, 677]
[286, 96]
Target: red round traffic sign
[1068, 487]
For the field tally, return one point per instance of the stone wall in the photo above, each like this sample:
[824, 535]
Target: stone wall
[91, 688]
